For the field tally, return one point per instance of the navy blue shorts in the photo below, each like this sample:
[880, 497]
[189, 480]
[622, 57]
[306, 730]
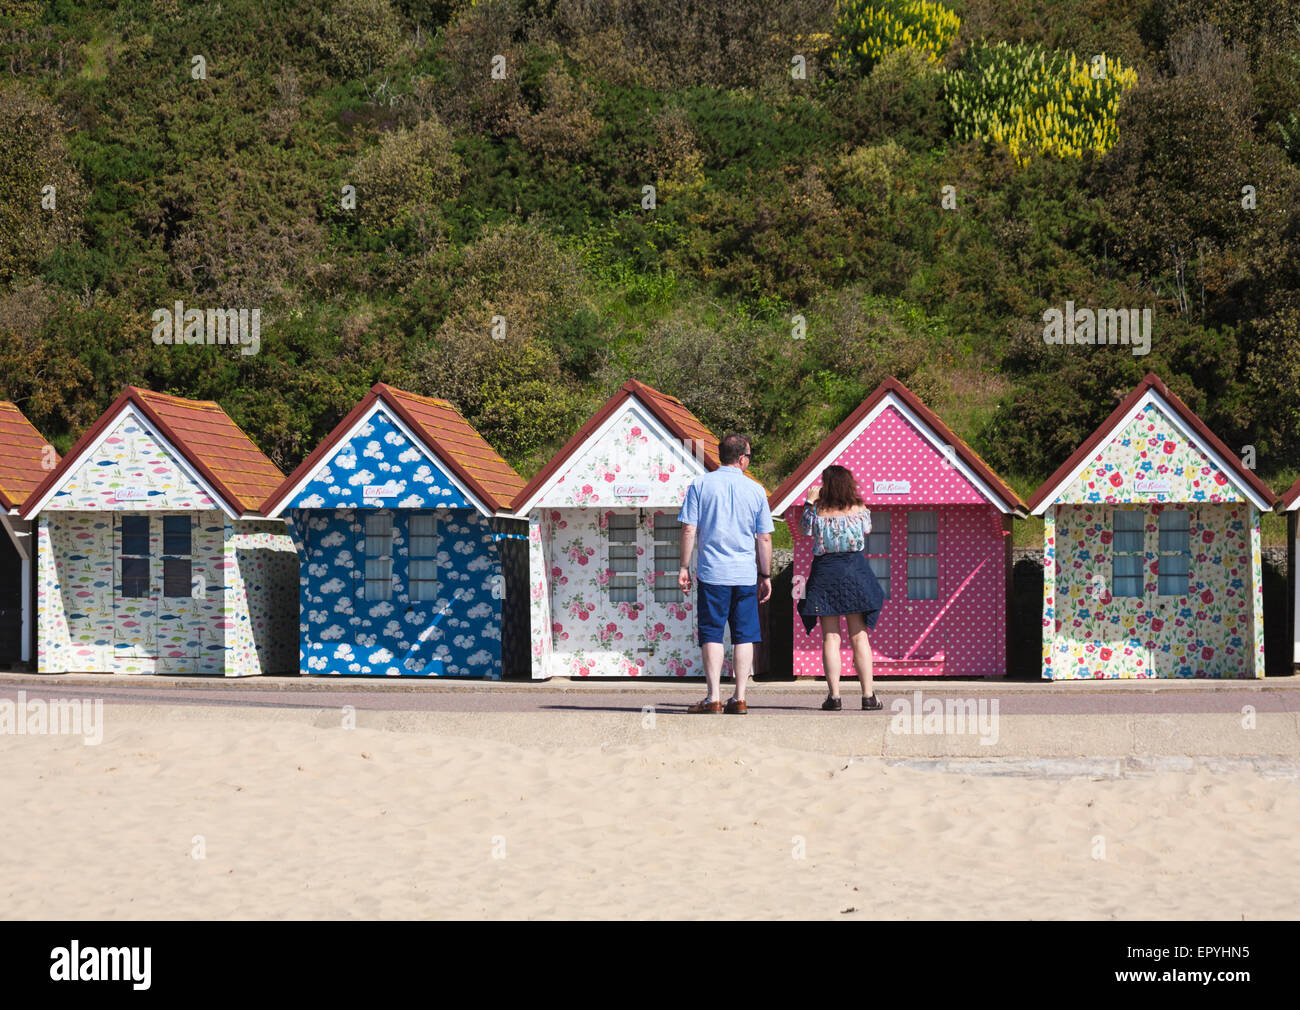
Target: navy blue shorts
[717, 605]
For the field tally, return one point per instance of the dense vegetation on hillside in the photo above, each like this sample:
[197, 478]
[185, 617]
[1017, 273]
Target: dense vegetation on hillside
[802, 242]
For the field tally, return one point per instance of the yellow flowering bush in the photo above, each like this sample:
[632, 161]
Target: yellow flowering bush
[865, 30]
[1036, 101]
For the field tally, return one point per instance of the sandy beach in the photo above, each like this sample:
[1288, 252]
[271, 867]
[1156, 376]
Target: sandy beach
[596, 815]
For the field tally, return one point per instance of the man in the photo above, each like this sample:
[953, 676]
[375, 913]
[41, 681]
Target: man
[728, 513]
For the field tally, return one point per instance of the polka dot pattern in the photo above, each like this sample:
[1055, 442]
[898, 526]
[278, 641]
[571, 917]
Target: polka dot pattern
[962, 633]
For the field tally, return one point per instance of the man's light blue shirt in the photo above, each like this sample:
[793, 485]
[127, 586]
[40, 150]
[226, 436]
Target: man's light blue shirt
[728, 510]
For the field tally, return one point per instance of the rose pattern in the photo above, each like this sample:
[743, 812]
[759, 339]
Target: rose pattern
[630, 451]
[569, 573]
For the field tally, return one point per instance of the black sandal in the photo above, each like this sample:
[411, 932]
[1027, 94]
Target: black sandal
[832, 704]
[871, 704]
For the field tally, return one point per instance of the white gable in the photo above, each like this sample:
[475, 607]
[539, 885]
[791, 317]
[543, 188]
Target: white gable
[131, 467]
[631, 461]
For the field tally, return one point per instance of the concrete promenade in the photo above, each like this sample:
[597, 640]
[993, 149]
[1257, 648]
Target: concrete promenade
[1097, 728]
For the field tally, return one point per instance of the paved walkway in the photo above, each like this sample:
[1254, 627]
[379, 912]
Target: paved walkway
[1093, 729]
[782, 697]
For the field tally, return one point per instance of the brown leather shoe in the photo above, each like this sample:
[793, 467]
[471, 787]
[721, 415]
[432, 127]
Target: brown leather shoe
[735, 707]
[705, 707]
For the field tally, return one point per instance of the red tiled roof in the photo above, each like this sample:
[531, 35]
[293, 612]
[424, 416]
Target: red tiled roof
[1119, 415]
[223, 453]
[1292, 496]
[203, 434]
[668, 410]
[442, 428]
[21, 452]
[809, 468]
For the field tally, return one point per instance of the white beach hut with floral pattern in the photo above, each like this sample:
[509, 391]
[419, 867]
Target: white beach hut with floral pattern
[604, 542]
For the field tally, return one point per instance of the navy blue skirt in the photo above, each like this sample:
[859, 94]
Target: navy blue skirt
[840, 584]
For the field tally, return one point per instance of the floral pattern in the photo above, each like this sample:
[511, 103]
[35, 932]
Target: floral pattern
[577, 630]
[1215, 629]
[632, 451]
[1149, 448]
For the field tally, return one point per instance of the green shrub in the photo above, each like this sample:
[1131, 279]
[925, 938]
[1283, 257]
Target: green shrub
[409, 174]
[871, 170]
[360, 35]
[32, 157]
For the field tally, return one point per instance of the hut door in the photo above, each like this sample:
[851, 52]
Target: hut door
[182, 631]
[136, 586]
[668, 622]
[422, 589]
[621, 628]
[903, 550]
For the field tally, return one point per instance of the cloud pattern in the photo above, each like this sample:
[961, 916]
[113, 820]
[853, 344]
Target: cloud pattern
[340, 631]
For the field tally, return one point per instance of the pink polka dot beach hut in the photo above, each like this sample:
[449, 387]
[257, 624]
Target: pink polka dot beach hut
[940, 541]
[1151, 553]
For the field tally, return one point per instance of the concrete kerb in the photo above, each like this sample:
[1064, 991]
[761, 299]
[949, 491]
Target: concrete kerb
[811, 685]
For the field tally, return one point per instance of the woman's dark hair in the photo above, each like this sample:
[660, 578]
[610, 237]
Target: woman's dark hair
[839, 490]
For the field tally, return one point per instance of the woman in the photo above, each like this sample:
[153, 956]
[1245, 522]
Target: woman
[841, 582]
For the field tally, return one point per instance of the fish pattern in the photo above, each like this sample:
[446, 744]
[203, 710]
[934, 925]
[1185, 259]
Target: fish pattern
[239, 618]
[238, 622]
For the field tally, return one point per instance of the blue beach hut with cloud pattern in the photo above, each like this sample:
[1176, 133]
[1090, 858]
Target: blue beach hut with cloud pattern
[400, 517]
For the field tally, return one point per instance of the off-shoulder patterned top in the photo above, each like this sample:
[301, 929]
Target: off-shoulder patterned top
[835, 534]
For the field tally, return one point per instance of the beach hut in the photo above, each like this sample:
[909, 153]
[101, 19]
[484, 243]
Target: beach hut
[940, 540]
[24, 459]
[397, 517]
[604, 542]
[1289, 506]
[152, 554]
[1151, 559]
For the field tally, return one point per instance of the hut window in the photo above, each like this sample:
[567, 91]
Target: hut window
[177, 550]
[922, 555]
[668, 554]
[1175, 552]
[1127, 553]
[135, 556]
[878, 549]
[621, 534]
[423, 581]
[379, 557]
